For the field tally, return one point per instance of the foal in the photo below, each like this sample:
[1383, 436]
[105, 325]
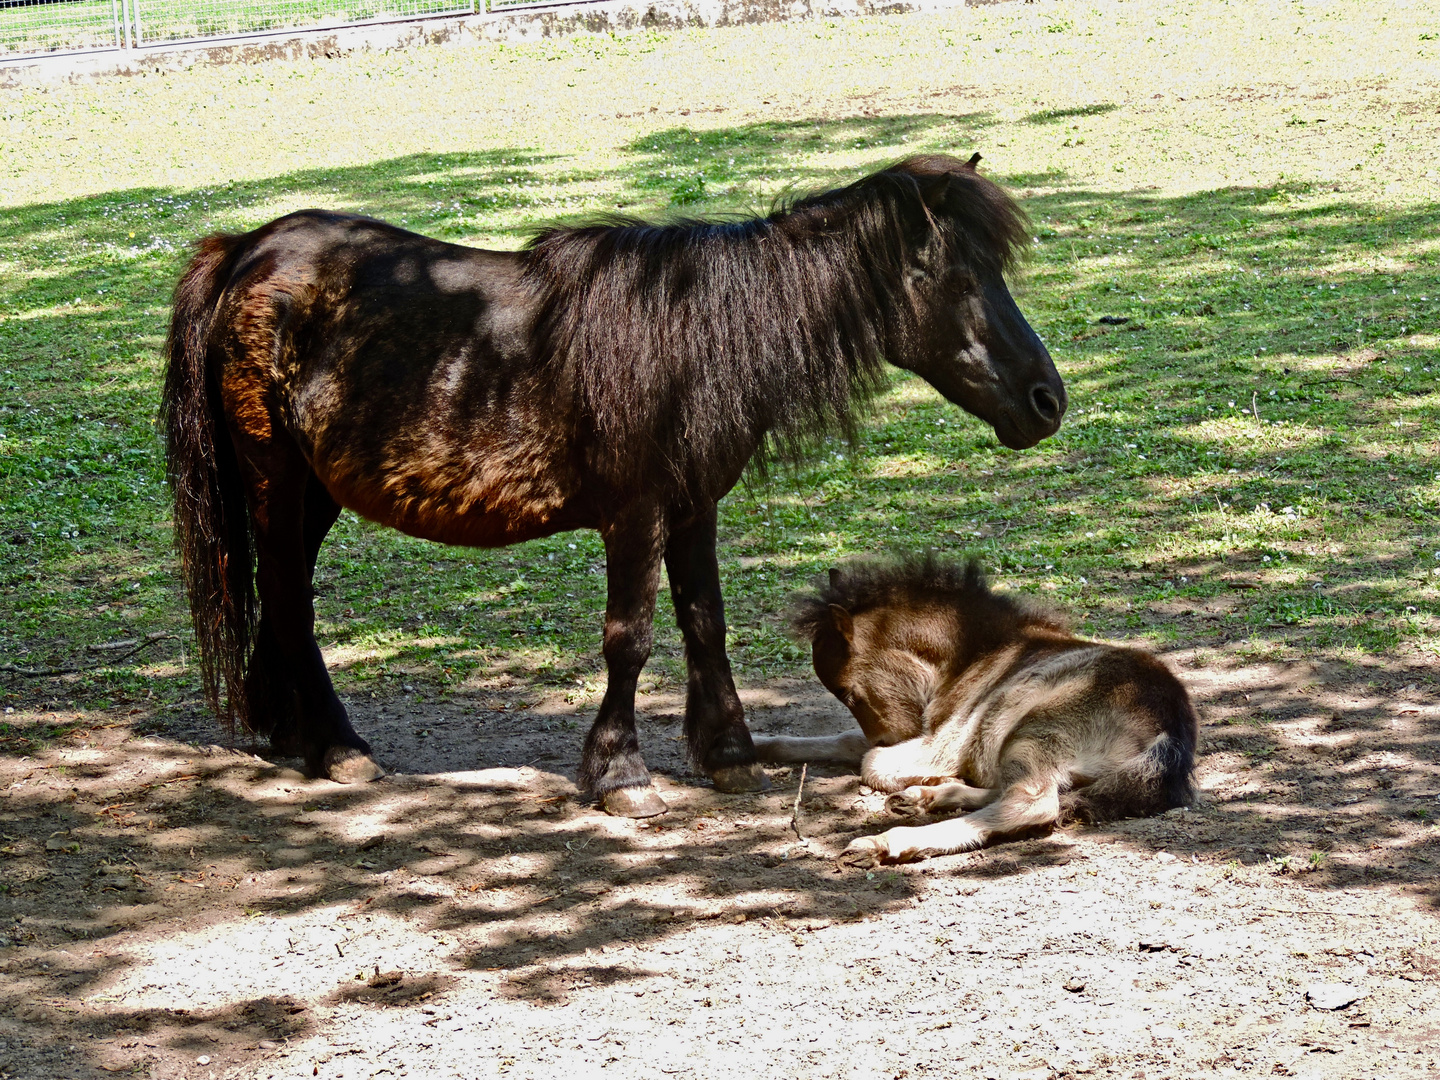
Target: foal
[982, 703]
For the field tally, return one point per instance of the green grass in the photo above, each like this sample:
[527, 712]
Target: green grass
[1249, 466]
[43, 28]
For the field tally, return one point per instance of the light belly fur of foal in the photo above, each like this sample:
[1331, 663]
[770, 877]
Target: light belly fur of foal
[996, 696]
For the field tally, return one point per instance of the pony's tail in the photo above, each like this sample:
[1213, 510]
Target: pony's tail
[212, 521]
[1153, 781]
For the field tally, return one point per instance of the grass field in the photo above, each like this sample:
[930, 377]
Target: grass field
[1249, 467]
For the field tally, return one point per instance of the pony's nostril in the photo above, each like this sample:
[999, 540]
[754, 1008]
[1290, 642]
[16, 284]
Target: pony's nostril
[1046, 403]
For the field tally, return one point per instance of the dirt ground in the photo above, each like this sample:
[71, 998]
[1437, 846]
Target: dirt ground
[175, 910]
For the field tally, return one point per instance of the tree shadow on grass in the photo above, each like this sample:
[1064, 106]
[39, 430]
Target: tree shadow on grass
[1049, 116]
[85, 511]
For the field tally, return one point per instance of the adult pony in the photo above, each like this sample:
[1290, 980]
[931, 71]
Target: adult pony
[615, 377]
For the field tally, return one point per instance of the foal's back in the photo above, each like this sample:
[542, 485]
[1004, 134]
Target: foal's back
[1110, 727]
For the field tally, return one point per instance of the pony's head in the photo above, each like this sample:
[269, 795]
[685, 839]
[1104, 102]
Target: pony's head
[973, 345]
[879, 641]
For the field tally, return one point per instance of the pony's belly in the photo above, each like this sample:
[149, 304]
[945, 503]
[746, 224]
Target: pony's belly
[484, 530]
[480, 508]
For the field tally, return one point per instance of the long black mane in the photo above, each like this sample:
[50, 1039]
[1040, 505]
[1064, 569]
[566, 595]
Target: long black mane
[694, 344]
[910, 581]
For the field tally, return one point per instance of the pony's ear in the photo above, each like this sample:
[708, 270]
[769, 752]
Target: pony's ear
[843, 622]
[973, 162]
[933, 190]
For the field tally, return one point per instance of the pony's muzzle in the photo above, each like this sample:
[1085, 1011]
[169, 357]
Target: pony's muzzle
[1020, 430]
[1049, 406]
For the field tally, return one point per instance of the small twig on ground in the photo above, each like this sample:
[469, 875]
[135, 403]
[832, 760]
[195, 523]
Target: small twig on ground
[1322, 911]
[1255, 405]
[107, 646]
[795, 810]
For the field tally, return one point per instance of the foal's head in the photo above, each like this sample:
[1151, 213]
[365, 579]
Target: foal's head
[880, 642]
[885, 635]
[976, 348]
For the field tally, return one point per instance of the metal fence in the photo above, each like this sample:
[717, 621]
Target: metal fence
[35, 28]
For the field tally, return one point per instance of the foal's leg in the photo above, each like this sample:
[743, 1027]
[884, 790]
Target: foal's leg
[938, 798]
[847, 749]
[895, 768]
[277, 490]
[715, 728]
[269, 691]
[611, 766]
[1022, 807]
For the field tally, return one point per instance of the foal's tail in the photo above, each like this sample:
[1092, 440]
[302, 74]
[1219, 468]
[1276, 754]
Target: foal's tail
[1153, 781]
[212, 522]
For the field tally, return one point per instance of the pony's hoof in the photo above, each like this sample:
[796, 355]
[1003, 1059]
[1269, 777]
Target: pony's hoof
[866, 852]
[346, 765]
[740, 779]
[633, 802]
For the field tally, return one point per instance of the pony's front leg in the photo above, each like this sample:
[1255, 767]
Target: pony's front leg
[611, 767]
[719, 741]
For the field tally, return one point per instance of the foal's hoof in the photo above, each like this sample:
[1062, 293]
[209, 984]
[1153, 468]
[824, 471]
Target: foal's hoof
[633, 802]
[911, 802]
[346, 765]
[867, 852]
[739, 779]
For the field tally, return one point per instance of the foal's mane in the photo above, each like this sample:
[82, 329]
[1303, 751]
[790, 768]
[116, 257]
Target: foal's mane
[691, 344]
[916, 581]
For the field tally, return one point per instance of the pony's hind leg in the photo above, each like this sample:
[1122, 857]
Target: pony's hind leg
[719, 741]
[269, 689]
[611, 767]
[278, 479]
